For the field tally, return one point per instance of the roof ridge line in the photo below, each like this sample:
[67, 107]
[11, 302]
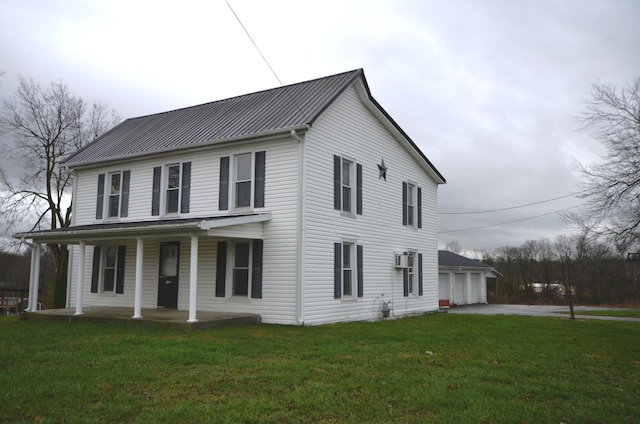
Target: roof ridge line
[282, 87]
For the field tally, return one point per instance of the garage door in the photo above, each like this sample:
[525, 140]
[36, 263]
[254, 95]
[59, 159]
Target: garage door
[443, 286]
[459, 290]
[474, 296]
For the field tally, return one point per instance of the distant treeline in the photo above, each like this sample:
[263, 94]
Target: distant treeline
[15, 269]
[541, 271]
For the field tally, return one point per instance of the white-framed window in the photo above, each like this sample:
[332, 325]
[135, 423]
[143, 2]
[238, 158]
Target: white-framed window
[115, 194]
[242, 181]
[241, 269]
[348, 275]
[411, 210]
[348, 261]
[411, 205]
[347, 186]
[110, 261]
[172, 185]
[243, 178]
[171, 189]
[107, 275]
[411, 274]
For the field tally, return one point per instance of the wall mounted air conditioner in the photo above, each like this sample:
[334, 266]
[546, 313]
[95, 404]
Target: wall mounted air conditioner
[402, 260]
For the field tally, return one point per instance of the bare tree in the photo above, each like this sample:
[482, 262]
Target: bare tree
[46, 124]
[612, 186]
[453, 246]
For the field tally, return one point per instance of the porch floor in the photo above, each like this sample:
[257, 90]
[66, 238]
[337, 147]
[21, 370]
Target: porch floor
[165, 318]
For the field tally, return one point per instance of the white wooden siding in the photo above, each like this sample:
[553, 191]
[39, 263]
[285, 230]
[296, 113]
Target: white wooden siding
[347, 128]
[280, 233]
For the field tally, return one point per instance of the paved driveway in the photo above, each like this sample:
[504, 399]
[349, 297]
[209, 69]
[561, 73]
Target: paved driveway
[535, 310]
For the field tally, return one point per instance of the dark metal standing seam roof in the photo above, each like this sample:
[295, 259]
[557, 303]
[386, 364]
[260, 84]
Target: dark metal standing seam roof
[446, 258]
[280, 108]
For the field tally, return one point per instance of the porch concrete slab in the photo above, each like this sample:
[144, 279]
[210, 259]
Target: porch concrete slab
[164, 318]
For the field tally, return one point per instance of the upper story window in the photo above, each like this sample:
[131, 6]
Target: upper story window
[113, 194]
[171, 189]
[347, 186]
[411, 205]
[242, 181]
[172, 192]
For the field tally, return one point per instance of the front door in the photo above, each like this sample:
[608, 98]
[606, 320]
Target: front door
[168, 275]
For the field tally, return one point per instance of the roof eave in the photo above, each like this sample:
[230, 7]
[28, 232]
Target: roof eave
[202, 145]
[394, 127]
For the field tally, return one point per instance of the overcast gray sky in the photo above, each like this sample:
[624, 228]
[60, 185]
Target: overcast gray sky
[489, 90]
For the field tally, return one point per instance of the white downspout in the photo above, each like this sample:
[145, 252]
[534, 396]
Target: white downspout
[70, 249]
[301, 231]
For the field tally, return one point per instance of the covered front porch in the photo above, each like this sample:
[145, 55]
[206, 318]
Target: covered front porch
[126, 297]
[163, 318]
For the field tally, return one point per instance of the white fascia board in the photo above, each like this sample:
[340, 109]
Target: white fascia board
[236, 220]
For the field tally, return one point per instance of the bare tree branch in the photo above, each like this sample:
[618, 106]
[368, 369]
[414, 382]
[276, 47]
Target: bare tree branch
[612, 185]
[46, 124]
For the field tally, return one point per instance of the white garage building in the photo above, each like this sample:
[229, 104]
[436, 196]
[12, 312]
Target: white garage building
[462, 281]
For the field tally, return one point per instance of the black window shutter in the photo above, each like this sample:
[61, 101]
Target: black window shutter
[404, 203]
[419, 207]
[337, 271]
[420, 274]
[185, 187]
[122, 252]
[221, 269]
[337, 184]
[360, 276]
[359, 189]
[258, 201]
[155, 199]
[124, 204]
[405, 281]
[223, 192]
[100, 197]
[256, 270]
[95, 269]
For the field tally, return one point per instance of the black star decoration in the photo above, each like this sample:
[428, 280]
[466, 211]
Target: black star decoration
[383, 170]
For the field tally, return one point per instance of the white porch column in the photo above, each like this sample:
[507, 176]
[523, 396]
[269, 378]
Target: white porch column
[137, 302]
[80, 291]
[34, 278]
[193, 280]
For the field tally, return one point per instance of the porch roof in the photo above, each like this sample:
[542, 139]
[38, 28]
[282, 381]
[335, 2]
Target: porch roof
[207, 226]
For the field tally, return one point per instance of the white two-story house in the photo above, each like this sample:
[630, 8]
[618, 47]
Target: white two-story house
[305, 204]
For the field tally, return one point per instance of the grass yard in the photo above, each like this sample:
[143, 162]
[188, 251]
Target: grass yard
[626, 313]
[435, 368]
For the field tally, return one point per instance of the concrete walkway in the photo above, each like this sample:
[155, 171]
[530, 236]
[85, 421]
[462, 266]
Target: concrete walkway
[536, 310]
[166, 318]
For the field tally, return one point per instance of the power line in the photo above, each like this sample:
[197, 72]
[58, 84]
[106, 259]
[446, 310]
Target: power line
[507, 222]
[511, 207]
[254, 43]
[265, 59]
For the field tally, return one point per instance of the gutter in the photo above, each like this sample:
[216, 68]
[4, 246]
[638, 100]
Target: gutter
[301, 230]
[122, 158]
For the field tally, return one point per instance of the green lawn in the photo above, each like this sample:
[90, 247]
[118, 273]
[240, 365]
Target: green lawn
[626, 313]
[440, 368]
